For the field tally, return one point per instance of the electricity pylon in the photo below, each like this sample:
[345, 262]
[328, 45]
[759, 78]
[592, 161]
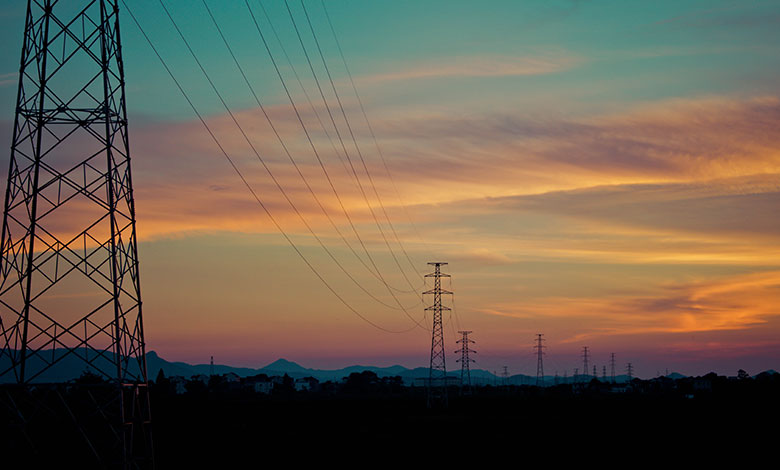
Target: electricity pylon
[612, 366]
[437, 374]
[465, 371]
[585, 357]
[539, 366]
[70, 289]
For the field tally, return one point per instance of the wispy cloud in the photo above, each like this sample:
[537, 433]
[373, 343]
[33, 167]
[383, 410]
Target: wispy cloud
[9, 79]
[729, 303]
[478, 66]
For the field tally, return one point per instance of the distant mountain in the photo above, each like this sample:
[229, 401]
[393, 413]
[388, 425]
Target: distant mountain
[284, 365]
[71, 366]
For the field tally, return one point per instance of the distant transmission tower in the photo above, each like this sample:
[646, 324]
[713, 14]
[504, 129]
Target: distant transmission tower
[505, 375]
[604, 374]
[630, 371]
[539, 366]
[70, 290]
[465, 371]
[211, 367]
[612, 366]
[437, 375]
[595, 374]
[585, 357]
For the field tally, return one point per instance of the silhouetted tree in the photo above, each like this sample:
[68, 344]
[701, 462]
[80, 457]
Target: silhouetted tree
[162, 383]
[361, 382]
[89, 378]
[742, 375]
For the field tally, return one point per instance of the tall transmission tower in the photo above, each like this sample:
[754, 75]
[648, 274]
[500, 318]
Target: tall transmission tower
[437, 375]
[604, 374]
[70, 289]
[539, 365]
[612, 366]
[630, 371]
[465, 371]
[585, 358]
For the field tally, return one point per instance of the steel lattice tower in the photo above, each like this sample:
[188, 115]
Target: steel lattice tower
[539, 365]
[465, 371]
[630, 372]
[437, 376]
[585, 357]
[612, 366]
[70, 289]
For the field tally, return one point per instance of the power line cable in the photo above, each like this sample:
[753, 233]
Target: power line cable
[338, 133]
[302, 87]
[267, 168]
[351, 133]
[297, 168]
[371, 130]
[377, 272]
[248, 185]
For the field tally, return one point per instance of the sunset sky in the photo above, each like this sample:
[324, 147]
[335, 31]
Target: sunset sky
[603, 172]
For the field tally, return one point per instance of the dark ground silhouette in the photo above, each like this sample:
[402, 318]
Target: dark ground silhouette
[366, 421]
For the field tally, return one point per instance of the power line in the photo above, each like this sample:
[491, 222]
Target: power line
[262, 161]
[349, 128]
[249, 186]
[371, 131]
[297, 168]
[300, 82]
[376, 272]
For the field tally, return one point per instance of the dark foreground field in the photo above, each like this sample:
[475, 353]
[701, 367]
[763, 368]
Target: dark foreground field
[512, 424]
[375, 428]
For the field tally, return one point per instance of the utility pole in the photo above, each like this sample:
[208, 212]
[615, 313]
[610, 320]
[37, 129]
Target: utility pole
[69, 229]
[437, 375]
[465, 372]
[585, 357]
[539, 366]
[612, 366]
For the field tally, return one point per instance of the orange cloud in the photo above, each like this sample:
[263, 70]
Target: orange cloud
[730, 303]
